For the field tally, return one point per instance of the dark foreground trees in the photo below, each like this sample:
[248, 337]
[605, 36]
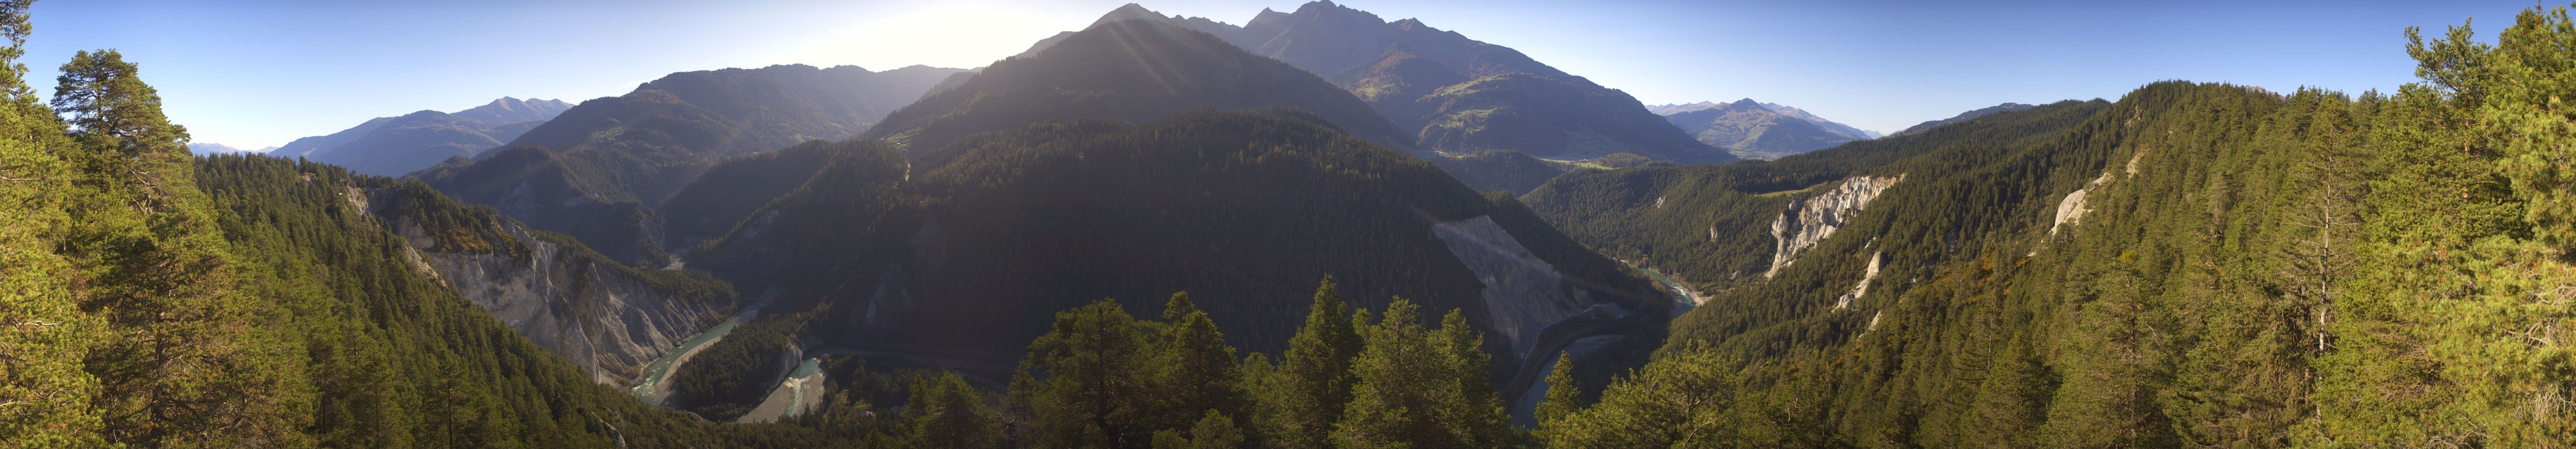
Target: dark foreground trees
[1102, 378]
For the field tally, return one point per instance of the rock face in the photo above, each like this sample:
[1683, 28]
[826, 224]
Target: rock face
[1809, 221]
[592, 312]
[1522, 293]
[2071, 209]
[1845, 301]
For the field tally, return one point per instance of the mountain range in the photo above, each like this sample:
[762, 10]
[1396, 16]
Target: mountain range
[1136, 70]
[217, 148]
[1317, 229]
[392, 146]
[597, 171]
[1452, 93]
[1759, 130]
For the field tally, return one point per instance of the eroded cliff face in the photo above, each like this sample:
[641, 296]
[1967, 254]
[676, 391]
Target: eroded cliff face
[1857, 291]
[2071, 209]
[592, 312]
[1810, 221]
[1523, 294]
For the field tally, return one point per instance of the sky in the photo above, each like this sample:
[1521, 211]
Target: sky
[257, 73]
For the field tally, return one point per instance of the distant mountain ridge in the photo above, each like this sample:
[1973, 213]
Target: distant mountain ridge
[392, 146]
[598, 170]
[1134, 70]
[1836, 127]
[202, 149]
[1758, 130]
[1965, 116]
[513, 110]
[1453, 93]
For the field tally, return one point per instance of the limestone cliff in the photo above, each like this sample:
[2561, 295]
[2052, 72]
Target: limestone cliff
[1523, 294]
[1808, 221]
[607, 318]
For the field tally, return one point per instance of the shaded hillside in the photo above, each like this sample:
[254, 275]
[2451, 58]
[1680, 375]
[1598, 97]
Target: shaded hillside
[731, 190]
[1130, 70]
[1751, 129]
[1244, 210]
[1452, 93]
[1964, 116]
[597, 171]
[1499, 170]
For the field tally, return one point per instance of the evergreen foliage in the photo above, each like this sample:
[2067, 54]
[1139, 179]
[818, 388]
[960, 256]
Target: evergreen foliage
[1103, 379]
[2248, 269]
[731, 376]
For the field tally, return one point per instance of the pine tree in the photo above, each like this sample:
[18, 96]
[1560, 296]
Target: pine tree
[43, 330]
[1563, 397]
[1085, 383]
[1314, 377]
[1194, 368]
[946, 413]
[1472, 411]
[195, 364]
[1419, 388]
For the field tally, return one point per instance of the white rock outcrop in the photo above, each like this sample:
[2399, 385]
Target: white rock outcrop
[584, 309]
[1522, 293]
[1809, 221]
[1845, 301]
[2071, 209]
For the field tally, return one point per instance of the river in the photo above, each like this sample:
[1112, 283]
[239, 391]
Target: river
[654, 390]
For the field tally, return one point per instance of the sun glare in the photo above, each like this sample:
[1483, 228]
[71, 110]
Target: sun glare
[958, 34]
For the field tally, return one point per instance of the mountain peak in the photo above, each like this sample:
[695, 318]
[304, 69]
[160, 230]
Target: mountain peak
[512, 110]
[1322, 7]
[1129, 12]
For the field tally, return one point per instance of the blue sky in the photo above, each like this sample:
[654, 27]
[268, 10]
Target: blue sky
[254, 73]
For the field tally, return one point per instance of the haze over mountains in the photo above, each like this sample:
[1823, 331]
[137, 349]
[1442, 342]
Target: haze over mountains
[1759, 130]
[392, 146]
[217, 148]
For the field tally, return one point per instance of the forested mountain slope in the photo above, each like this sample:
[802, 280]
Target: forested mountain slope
[1964, 116]
[1711, 226]
[1451, 93]
[245, 301]
[2193, 265]
[1241, 209]
[597, 171]
[600, 315]
[1139, 70]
